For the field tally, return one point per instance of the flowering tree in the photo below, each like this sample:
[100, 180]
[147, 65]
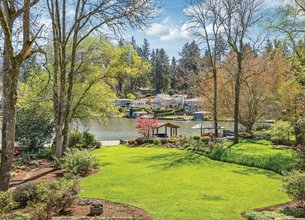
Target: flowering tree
[145, 126]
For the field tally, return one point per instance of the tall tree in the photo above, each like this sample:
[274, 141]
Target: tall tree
[289, 22]
[12, 14]
[68, 34]
[160, 71]
[144, 51]
[173, 72]
[206, 26]
[238, 17]
[189, 68]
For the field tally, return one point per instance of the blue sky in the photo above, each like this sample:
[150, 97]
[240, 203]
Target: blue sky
[168, 30]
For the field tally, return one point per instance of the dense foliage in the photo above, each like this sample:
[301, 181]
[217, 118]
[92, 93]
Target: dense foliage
[33, 129]
[40, 200]
[294, 186]
[281, 132]
[84, 140]
[78, 162]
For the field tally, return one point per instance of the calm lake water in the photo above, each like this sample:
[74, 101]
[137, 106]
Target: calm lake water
[124, 129]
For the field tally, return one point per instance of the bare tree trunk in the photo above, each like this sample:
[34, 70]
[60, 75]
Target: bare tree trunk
[215, 104]
[236, 113]
[237, 97]
[10, 80]
[67, 119]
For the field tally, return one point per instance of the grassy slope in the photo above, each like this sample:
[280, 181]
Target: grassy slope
[261, 148]
[172, 184]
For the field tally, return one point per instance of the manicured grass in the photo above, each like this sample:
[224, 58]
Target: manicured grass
[261, 148]
[260, 154]
[172, 184]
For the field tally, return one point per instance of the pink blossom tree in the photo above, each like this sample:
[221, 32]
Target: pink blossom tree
[145, 126]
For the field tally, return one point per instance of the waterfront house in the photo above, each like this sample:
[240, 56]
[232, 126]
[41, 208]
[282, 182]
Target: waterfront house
[162, 101]
[123, 102]
[178, 100]
[139, 103]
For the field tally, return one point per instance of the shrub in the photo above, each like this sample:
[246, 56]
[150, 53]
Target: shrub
[297, 213]
[196, 138]
[294, 186]
[47, 152]
[75, 139]
[33, 129]
[17, 216]
[83, 140]
[149, 141]
[78, 161]
[157, 141]
[90, 141]
[164, 141]
[25, 193]
[53, 197]
[172, 140]
[264, 215]
[205, 140]
[140, 141]
[7, 202]
[280, 132]
[132, 141]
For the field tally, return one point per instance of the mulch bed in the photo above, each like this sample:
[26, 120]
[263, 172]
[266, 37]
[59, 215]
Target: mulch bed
[290, 204]
[110, 209]
[44, 171]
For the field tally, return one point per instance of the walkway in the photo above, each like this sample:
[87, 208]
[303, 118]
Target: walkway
[110, 143]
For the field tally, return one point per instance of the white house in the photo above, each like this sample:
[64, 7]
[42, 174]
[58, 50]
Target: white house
[162, 101]
[179, 100]
[123, 102]
[139, 103]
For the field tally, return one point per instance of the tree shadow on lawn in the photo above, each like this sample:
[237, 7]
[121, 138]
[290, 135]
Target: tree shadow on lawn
[174, 159]
[256, 171]
[171, 160]
[212, 198]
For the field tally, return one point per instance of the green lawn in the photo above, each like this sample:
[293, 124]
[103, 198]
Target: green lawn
[173, 184]
[260, 148]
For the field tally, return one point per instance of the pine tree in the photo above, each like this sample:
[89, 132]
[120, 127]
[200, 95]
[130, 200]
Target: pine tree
[173, 69]
[160, 71]
[189, 68]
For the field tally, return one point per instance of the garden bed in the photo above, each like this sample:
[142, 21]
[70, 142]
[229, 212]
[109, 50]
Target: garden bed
[110, 209]
[44, 171]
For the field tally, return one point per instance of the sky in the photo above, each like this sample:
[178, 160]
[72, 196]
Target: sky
[169, 31]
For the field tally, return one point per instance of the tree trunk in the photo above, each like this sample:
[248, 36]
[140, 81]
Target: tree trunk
[10, 82]
[215, 104]
[237, 97]
[236, 112]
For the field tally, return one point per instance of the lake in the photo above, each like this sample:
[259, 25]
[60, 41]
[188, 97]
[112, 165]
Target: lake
[116, 129]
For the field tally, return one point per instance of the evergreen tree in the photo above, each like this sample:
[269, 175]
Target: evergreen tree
[173, 69]
[188, 68]
[145, 49]
[160, 71]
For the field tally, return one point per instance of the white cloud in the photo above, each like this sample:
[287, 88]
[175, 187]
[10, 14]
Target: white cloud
[168, 30]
